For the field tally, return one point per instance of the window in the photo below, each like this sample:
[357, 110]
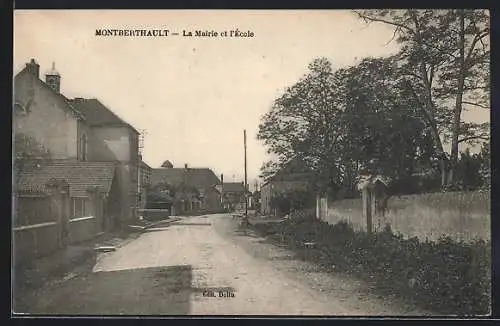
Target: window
[83, 147]
[79, 207]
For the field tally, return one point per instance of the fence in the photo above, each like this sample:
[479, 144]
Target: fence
[460, 215]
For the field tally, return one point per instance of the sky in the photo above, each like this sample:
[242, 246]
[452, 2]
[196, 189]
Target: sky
[192, 97]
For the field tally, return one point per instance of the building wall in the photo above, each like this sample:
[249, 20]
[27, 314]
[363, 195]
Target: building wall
[212, 200]
[82, 229]
[120, 144]
[273, 188]
[127, 189]
[48, 122]
[460, 215]
[34, 242]
[117, 144]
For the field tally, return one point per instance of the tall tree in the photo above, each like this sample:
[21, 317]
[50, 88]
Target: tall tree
[445, 61]
[337, 121]
[305, 122]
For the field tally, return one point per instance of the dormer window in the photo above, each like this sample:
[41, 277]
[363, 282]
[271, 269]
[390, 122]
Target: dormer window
[83, 147]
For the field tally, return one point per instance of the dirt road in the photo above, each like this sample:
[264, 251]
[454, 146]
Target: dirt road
[204, 266]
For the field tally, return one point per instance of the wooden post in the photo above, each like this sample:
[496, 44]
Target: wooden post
[318, 215]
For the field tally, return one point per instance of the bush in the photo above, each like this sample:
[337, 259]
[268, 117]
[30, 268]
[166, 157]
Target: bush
[446, 276]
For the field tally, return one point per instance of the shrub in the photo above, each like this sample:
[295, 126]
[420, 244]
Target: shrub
[445, 276]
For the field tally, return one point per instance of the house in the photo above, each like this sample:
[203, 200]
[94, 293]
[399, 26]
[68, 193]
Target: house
[234, 195]
[77, 130]
[73, 170]
[293, 176]
[49, 216]
[113, 140]
[196, 189]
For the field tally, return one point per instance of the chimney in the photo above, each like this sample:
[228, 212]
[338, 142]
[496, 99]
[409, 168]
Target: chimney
[222, 178]
[53, 79]
[186, 166]
[34, 68]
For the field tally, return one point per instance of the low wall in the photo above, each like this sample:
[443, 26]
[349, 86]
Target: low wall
[34, 241]
[81, 229]
[153, 214]
[460, 215]
[347, 209]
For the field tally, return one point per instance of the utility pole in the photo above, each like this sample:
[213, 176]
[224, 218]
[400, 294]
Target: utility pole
[246, 185]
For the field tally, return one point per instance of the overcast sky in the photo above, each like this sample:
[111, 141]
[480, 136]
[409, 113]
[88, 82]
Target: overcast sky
[194, 96]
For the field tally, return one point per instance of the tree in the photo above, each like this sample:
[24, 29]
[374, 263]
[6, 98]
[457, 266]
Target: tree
[385, 129]
[339, 121]
[445, 63]
[28, 152]
[305, 122]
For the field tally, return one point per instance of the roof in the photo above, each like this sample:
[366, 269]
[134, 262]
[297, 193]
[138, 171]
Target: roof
[293, 170]
[97, 114]
[79, 175]
[145, 165]
[69, 107]
[233, 187]
[366, 181]
[194, 177]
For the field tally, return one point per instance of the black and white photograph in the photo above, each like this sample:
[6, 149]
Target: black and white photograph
[251, 163]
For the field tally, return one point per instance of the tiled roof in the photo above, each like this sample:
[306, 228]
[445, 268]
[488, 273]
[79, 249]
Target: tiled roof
[79, 175]
[294, 170]
[194, 177]
[97, 114]
[233, 187]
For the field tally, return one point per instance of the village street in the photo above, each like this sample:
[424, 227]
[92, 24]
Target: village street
[183, 269]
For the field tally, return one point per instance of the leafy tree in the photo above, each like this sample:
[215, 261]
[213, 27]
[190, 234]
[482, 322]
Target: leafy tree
[338, 122]
[444, 60]
[305, 122]
[28, 152]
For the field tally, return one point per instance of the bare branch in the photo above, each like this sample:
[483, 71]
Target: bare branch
[397, 29]
[476, 104]
[478, 37]
[478, 137]
[380, 20]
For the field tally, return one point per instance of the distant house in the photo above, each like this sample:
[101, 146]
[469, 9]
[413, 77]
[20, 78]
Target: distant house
[234, 195]
[196, 188]
[293, 176]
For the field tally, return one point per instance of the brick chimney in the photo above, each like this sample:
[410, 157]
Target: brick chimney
[34, 68]
[53, 79]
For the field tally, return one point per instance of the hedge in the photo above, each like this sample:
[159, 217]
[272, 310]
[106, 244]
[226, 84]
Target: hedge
[446, 277]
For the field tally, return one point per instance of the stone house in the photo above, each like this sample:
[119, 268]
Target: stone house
[80, 148]
[206, 198]
[113, 140]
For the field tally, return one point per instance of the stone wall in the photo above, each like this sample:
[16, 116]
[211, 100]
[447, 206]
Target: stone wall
[460, 215]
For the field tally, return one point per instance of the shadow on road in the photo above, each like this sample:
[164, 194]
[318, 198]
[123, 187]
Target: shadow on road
[145, 291]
